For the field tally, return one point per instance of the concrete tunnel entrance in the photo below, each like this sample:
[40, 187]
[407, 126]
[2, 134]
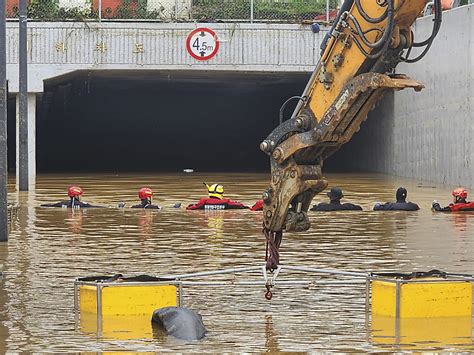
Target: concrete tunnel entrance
[160, 121]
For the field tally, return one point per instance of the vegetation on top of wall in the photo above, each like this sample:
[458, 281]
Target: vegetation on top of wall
[207, 10]
[49, 10]
[283, 10]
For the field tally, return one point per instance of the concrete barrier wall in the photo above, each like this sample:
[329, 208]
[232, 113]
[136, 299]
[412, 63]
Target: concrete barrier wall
[427, 135]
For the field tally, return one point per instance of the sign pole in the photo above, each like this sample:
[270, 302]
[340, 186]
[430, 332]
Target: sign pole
[23, 102]
[3, 127]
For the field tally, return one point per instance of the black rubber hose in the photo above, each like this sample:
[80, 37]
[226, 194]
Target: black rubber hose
[436, 26]
[386, 34]
[282, 108]
[367, 17]
[386, 37]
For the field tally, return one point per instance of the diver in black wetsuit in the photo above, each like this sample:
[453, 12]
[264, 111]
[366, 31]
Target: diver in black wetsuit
[335, 196]
[400, 205]
[145, 194]
[74, 193]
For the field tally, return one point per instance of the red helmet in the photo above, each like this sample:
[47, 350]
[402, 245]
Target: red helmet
[145, 193]
[74, 191]
[460, 192]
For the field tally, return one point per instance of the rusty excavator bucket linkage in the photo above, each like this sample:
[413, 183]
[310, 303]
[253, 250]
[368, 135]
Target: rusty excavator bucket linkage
[359, 55]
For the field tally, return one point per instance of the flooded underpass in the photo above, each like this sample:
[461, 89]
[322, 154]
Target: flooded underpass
[49, 248]
[160, 120]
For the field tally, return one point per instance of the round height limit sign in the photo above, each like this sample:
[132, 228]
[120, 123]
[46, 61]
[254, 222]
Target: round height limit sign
[202, 44]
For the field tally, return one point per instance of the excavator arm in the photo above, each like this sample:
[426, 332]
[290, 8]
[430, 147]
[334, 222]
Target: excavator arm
[357, 66]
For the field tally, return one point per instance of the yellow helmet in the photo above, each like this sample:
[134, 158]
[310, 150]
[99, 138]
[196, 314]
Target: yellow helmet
[215, 190]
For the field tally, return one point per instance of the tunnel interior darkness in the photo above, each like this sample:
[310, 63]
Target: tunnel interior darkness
[160, 121]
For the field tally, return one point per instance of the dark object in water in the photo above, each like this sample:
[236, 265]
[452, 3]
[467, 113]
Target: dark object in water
[182, 323]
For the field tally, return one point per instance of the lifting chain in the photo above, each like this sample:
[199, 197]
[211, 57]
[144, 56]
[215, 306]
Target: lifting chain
[272, 255]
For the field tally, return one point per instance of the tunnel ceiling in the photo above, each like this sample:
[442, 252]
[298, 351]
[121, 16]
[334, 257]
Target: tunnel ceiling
[160, 121]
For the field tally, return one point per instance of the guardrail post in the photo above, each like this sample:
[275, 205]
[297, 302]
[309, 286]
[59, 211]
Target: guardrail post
[100, 10]
[251, 11]
[327, 11]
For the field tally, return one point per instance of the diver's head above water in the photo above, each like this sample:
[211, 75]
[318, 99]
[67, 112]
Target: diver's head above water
[215, 191]
[145, 194]
[459, 195]
[75, 192]
[335, 195]
[401, 194]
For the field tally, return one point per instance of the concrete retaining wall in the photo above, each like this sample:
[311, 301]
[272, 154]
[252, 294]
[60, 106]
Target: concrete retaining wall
[427, 135]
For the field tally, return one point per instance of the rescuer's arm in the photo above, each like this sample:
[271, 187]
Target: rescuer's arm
[435, 207]
[58, 204]
[197, 206]
[235, 205]
[80, 204]
[379, 207]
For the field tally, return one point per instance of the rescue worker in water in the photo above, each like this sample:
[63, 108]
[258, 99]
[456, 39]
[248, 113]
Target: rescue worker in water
[459, 202]
[145, 194]
[216, 200]
[400, 205]
[335, 196]
[74, 193]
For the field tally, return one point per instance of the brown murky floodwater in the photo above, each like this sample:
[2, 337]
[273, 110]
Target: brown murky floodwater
[49, 248]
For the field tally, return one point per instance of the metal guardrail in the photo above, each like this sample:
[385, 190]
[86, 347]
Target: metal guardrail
[289, 11]
[271, 280]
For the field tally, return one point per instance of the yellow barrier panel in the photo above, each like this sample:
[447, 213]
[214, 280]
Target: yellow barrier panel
[433, 297]
[120, 299]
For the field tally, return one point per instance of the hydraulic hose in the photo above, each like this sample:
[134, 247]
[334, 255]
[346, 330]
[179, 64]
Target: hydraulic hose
[384, 40]
[386, 33]
[428, 42]
[282, 108]
[436, 26]
[367, 17]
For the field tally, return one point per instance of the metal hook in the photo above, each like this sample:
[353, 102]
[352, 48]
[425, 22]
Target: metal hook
[268, 294]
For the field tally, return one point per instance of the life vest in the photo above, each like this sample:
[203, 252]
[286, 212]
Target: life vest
[468, 206]
[258, 206]
[216, 204]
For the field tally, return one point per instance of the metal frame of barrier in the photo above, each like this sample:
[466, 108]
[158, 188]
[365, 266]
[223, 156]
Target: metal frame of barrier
[268, 280]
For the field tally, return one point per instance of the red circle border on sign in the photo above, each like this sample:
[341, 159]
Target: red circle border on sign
[188, 43]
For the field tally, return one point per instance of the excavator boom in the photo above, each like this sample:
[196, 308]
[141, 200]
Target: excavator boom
[357, 66]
